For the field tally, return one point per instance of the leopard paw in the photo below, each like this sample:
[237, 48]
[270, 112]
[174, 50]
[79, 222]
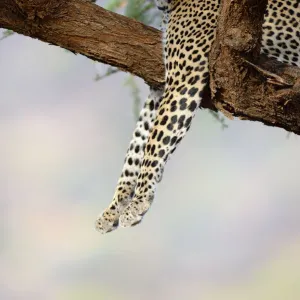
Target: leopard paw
[107, 221]
[134, 212]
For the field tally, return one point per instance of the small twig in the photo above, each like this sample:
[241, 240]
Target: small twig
[217, 117]
[109, 72]
[271, 77]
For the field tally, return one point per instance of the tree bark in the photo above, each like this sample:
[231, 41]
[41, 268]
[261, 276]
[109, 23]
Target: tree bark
[85, 28]
[243, 83]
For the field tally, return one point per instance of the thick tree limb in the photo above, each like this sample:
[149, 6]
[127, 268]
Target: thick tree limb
[243, 83]
[88, 29]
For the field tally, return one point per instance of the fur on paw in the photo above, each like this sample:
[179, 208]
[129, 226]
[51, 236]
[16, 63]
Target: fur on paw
[107, 221]
[134, 212]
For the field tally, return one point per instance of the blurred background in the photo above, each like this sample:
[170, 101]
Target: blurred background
[225, 223]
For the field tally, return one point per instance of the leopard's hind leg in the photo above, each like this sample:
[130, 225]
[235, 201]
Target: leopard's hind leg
[109, 219]
[190, 33]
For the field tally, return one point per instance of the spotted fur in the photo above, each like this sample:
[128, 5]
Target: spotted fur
[109, 219]
[189, 30]
[281, 31]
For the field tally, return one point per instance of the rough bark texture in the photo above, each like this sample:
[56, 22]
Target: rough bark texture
[243, 83]
[263, 90]
[88, 29]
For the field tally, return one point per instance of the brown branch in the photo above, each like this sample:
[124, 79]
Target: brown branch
[88, 29]
[243, 83]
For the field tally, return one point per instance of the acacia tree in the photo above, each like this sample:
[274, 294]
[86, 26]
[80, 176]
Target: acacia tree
[243, 83]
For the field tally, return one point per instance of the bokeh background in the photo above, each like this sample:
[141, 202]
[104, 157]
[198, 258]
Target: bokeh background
[226, 219]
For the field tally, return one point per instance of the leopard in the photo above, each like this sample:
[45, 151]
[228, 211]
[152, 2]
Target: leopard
[189, 30]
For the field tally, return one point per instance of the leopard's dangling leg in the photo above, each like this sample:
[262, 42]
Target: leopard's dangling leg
[190, 33]
[109, 219]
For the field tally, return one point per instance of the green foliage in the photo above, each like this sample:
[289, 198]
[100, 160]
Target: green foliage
[5, 34]
[141, 10]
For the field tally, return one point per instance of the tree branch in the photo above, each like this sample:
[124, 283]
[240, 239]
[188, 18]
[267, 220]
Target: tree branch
[243, 83]
[83, 27]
